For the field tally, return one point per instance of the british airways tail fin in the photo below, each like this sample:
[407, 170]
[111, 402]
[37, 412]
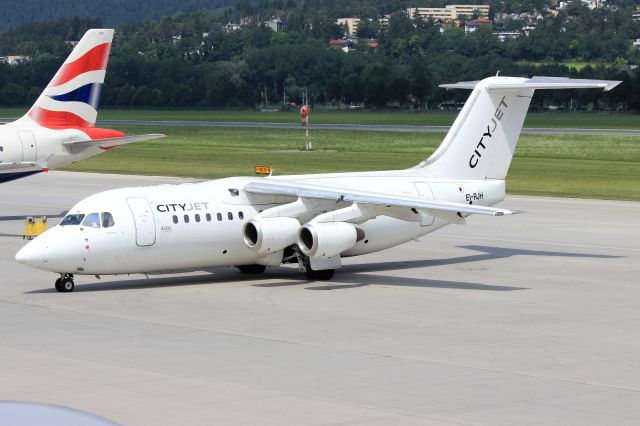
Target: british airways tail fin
[71, 98]
[483, 138]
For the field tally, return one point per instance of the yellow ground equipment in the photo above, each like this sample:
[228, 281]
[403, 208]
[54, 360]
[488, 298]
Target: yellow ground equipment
[264, 170]
[34, 226]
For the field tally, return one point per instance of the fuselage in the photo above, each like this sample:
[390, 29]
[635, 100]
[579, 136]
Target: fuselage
[198, 225]
[44, 148]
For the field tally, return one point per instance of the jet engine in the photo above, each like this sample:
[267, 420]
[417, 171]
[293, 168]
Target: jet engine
[269, 235]
[326, 239]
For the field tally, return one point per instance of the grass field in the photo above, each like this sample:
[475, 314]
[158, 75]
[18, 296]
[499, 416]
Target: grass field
[586, 120]
[578, 66]
[605, 167]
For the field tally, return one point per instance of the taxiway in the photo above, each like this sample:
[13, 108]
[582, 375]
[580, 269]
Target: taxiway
[528, 319]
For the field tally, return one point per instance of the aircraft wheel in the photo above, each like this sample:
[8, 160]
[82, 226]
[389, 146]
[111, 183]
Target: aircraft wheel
[323, 275]
[58, 281]
[66, 285]
[326, 274]
[251, 269]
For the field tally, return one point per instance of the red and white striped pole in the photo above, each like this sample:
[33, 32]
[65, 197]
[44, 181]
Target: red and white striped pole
[304, 120]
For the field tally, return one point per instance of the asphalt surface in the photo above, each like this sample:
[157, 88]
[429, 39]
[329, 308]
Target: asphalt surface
[361, 127]
[526, 319]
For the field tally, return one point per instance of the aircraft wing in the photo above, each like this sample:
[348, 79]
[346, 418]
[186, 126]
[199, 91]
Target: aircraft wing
[111, 142]
[325, 192]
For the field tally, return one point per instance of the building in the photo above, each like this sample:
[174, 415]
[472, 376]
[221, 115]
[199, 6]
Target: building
[469, 10]
[276, 24]
[504, 35]
[350, 24]
[449, 12]
[338, 44]
[528, 28]
[594, 4]
[15, 59]
[433, 13]
[471, 26]
[636, 16]
[229, 27]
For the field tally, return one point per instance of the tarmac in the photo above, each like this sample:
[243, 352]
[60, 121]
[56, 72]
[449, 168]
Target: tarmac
[527, 319]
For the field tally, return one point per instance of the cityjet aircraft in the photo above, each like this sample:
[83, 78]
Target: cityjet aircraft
[311, 220]
[60, 127]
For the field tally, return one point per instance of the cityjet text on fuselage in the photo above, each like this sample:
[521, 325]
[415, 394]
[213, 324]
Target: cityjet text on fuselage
[480, 147]
[182, 207]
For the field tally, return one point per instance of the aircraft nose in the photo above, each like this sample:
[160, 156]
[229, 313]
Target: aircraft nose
[33, 254]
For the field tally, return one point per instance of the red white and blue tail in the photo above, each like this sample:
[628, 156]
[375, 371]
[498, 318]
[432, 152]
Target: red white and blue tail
[71, 98]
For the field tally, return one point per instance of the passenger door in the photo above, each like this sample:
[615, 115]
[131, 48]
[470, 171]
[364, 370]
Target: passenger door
[144, 222]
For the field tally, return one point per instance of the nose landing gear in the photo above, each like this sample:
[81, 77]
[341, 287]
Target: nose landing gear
[65, 283]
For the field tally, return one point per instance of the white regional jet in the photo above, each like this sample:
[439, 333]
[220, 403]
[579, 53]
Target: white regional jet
[60, 127]
[314, 220]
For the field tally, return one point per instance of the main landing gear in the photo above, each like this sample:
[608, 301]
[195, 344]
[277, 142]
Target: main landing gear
[251, 269]
[323, 275]
[65, 283]
[304, 265]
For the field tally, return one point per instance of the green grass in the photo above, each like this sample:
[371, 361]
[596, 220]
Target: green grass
[576, 65]
[587, 120]
[605, 167]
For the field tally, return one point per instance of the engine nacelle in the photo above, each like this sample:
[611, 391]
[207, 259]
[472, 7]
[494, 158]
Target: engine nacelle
[326, 239]
[269, 235]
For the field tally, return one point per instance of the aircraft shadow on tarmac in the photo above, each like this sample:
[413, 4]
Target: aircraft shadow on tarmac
[350, 276]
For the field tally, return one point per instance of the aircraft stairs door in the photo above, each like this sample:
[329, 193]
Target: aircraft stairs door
[143, 219]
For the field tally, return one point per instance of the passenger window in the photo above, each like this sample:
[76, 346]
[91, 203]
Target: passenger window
[107, 220]
[230, 216]
[175, 219]
[219, 216]
[208, 216]
[186, 218]
[197, 218]
[241, 215]
[92, 221]
[72, 219]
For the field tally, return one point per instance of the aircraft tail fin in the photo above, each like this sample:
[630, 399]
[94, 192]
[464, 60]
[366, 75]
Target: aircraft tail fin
[72, 96]
[483, 138]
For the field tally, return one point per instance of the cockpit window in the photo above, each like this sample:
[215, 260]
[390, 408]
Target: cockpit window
[107, 220]
[72, 219]
[92, 221]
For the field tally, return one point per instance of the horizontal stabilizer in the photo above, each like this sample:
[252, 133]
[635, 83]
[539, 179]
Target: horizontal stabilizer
[22, 165]
[537, 83]
[323, 192]
[110, 142]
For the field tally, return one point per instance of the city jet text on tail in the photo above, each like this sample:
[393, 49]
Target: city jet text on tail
[311, 220]
[60, 127]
